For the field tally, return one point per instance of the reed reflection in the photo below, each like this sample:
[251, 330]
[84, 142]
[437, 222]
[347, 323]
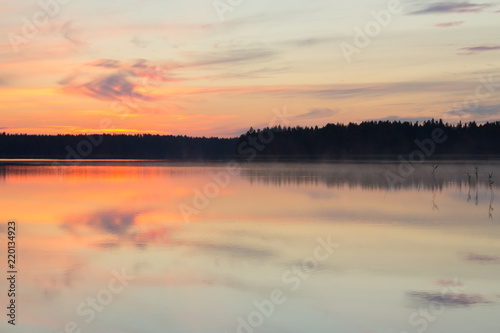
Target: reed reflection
[427, 177]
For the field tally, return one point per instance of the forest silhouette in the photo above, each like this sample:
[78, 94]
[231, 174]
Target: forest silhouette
[367, 140]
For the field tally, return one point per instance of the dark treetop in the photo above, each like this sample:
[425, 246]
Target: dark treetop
[368, 140]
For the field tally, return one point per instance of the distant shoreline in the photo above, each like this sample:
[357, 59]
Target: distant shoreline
[367, 141]
[359, 160]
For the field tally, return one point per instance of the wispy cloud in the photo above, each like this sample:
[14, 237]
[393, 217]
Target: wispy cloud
[423, 298]
[108, 63]
[486, 110]
[482, 258]
[252, 73]
[110, 87]
[71, 33]
[232, 250]
[449, 283]
[449, 24]
[139, 42]
[477, 49]
[119, 81]
[316, 113]
[453, 7]
[337, 93]
[230, 57]
[311, 41]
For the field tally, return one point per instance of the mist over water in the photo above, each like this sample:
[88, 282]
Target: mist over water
[418, 255]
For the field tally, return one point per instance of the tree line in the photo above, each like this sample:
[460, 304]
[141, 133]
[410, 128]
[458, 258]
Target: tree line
[366, 140]
[374, 140]
[115, 146]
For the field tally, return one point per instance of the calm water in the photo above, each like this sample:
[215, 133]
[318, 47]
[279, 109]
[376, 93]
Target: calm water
[151, 247]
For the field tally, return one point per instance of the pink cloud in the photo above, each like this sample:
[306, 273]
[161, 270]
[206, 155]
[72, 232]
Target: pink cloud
[109, 79]
[477, 49]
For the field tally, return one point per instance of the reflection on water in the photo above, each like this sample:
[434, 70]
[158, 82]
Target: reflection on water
[371, 176]
[420, 255]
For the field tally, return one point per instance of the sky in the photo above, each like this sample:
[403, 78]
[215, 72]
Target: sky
[219, 67]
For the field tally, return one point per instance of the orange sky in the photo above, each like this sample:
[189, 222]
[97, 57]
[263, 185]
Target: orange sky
[184, 68]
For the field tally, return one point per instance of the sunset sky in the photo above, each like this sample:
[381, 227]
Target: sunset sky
[204, 67]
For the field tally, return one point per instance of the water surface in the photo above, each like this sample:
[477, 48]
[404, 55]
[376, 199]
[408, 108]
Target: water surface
[208, 251]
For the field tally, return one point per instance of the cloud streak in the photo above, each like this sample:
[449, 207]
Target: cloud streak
[478, 49]
[423, 298]
[482, 258]
[316, 114]
[449, 24]
[120, 80]
[456, 7]
[487, 110]
[230, 57]
[111, 87]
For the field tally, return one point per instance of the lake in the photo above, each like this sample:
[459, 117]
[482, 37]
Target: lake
[149, 246]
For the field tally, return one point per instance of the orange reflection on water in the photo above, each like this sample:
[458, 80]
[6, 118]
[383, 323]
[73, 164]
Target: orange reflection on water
[77, 225]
